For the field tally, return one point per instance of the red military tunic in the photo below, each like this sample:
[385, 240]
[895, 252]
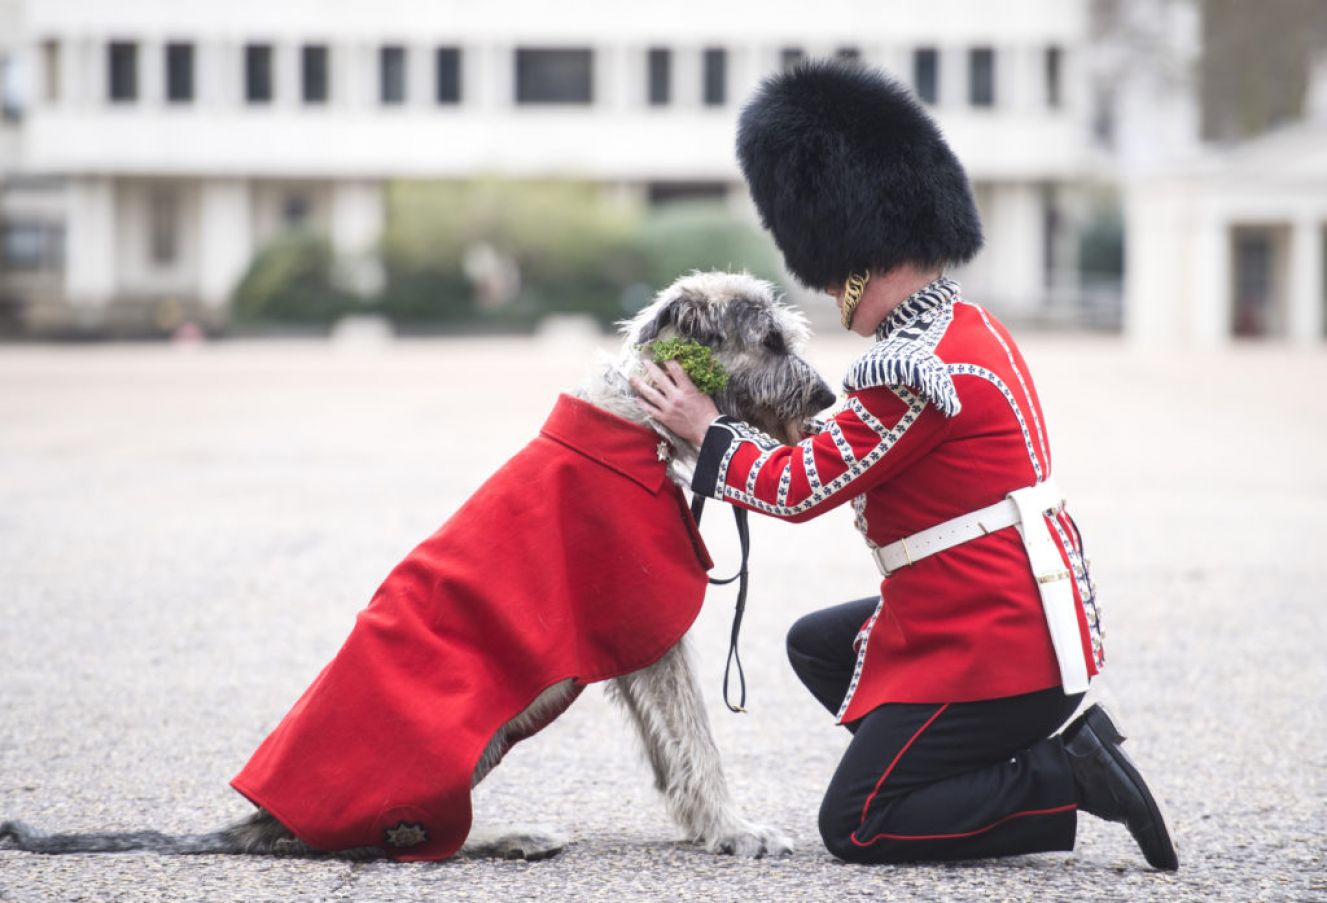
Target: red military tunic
[941, 419]
[577, 559]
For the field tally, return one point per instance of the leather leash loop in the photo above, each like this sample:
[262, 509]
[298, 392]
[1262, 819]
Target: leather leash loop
[734, 656]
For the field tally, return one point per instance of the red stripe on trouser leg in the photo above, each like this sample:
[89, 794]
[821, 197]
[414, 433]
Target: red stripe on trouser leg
[880, 783]
[995, 824]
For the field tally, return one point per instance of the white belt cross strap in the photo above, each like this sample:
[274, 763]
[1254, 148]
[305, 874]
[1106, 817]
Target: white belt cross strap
[1022, 508]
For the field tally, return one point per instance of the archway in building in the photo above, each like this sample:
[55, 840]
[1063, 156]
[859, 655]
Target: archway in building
[1258, 275]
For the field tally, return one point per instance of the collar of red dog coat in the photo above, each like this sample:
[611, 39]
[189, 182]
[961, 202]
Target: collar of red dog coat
[635, 451]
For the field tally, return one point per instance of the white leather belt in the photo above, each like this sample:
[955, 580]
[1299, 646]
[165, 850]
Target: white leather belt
[1022, 508]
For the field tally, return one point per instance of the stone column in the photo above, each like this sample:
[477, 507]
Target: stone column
[1209, 294]
[1014, 248]
[1305, 296]
[151, 72]
[358, 215]
[226, 240]
[952, 69]
[90, 271]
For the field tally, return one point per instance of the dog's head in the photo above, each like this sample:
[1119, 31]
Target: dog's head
[757, 340]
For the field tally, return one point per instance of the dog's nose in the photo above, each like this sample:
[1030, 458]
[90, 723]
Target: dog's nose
[823, 397]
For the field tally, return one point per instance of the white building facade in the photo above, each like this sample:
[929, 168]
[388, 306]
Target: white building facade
[1232, 244]
[182, 136]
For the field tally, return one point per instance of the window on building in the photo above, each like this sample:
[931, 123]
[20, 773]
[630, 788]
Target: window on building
[391, 75]
[50, 71]
[123, 75]
[981, 77]
[789, 57]
[1051, 226]
[554, 76]
[714, 76]
[258, 73]
[163, 226]
[447, 74]
[661, 76]
[314, 82]
[179, 73]
[31, 246]
[1104, 102]
[926, 74]
[669, 192]
[849, 54]
[11, 99]
[295, 210]
[1054, 67]
[1254, 266]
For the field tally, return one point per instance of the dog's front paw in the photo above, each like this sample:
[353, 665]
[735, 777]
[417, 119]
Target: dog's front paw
[749, 840]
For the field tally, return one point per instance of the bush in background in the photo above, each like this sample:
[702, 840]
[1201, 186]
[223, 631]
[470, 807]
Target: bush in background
[701, 235]
[291, 281]
[507, 253]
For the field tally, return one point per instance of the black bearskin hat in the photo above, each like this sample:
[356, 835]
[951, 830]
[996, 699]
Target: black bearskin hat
[851, 175]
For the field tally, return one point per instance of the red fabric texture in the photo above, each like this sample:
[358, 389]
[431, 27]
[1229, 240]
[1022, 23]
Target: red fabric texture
[577, 559]
[966, 624]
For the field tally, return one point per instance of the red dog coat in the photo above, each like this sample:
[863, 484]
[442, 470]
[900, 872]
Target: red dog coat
[578, 559]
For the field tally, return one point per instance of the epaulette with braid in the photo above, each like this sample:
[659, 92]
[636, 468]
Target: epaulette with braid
[906, 357]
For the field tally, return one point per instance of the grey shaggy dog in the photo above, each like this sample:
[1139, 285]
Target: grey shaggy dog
[757, 340]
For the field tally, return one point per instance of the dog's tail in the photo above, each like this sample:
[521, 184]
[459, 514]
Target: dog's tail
[258, 834]
[14, 835]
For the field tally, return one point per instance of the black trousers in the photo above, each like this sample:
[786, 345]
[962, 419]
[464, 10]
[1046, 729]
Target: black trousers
[933, 781]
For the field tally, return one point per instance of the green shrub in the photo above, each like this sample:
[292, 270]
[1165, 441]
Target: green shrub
[677, 238]
[576, 250]
[290, 280]
[567, 242]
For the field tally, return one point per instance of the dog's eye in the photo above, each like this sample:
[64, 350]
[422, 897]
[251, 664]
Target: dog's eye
[774, 342]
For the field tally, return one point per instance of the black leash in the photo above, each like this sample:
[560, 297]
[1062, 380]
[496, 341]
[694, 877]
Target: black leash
[744, 538]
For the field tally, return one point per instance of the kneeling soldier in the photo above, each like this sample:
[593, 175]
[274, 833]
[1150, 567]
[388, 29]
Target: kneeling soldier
[986, 631]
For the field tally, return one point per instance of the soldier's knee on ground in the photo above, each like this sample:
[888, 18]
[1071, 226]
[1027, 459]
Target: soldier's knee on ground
[802, 642]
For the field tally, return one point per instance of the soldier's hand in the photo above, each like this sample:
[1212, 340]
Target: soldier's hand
[671, 398]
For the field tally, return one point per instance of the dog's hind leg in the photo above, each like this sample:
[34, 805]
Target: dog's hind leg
[529, 842]
[665, 703]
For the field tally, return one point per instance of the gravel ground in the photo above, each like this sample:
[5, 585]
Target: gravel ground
[186, 535]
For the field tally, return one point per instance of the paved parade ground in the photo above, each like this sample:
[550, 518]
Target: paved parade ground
[186, 534]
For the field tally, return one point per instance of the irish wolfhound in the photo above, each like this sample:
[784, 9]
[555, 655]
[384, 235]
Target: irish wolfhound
[756, 339]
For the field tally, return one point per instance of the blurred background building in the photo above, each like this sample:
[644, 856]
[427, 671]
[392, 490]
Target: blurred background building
[165, 161]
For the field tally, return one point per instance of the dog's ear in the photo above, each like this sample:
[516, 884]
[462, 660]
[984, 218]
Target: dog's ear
[689, 314]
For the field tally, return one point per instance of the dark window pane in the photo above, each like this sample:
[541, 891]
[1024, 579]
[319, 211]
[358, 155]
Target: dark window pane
[179, 73]
[123, 59]
[790, 57]
[258, 73]
[848, 53]
[29, 246]
[313, 73]
[926, 73]
[1254, 287]
[715, 77]
[11, 100]
[391, 69]
[981, 77]
[295, 211]
[50, 55]
[661, 76]
[1054, 63]
[668, 192]
[448, 68]
[554, 76]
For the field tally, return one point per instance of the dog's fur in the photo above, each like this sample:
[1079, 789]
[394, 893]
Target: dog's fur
[756, 339]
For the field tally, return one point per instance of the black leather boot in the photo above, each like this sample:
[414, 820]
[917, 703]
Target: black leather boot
[1108, 785]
